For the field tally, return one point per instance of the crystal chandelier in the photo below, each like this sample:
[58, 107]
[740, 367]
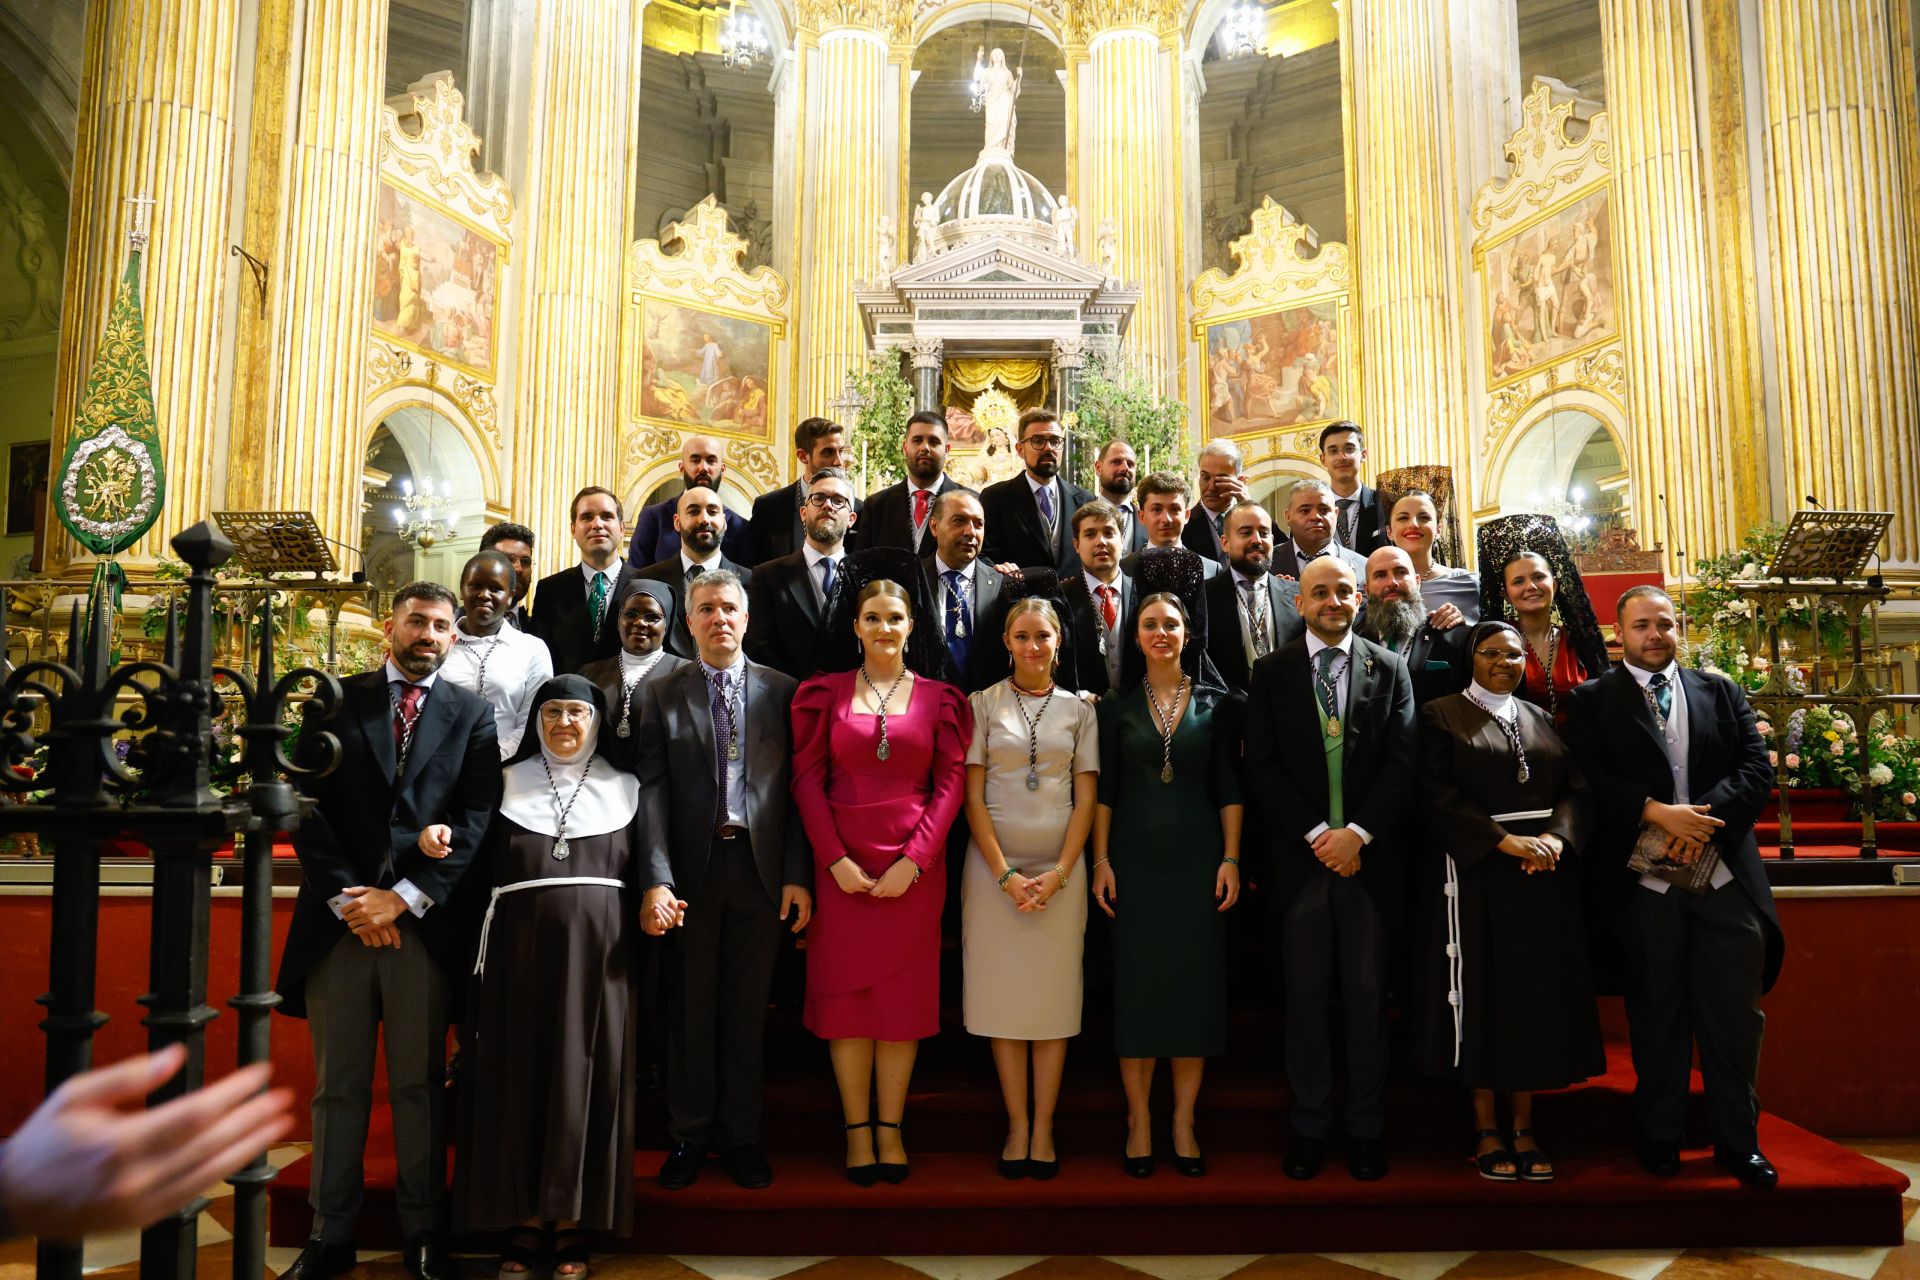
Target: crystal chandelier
[1568, 509]
[1243, 32]
[977, 81]
[743, 41]
[423, 516]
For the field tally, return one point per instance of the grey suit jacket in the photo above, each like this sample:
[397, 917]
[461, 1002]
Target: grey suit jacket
[679, 786]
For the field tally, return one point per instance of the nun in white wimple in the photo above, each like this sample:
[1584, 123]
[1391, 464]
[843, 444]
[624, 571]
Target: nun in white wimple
[548, 1115]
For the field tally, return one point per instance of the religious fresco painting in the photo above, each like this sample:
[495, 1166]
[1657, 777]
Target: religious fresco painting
[1549, 287]
[1280, 369]
[434, 281]
[704, 368]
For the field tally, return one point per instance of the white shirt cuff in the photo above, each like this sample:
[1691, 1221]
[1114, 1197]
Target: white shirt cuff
[1366, 837]
[417, 902]
[1315, 833]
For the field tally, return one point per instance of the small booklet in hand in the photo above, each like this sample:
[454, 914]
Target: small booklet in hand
[1650, 858]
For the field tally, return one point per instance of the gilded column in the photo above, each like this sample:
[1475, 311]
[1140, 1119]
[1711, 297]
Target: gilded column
[1407, 238]
[156, 117]
[1839, 96]
[846, 181]
[580, 183]
[1680, 388]
[1130, 85]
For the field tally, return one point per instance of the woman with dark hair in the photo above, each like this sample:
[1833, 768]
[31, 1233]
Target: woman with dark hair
[1412, 526]
[548, 1113]
[1166, 855]
[1503, 998]
[1528, 577]
[879, 773]
[640, 620]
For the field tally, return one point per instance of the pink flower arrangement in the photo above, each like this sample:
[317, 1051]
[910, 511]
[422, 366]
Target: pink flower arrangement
[1793, 760]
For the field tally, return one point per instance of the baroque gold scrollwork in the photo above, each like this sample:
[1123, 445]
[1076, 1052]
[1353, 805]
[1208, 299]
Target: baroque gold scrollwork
[1272, 266]
[437, 154]
[700, 257]
[1547, 165]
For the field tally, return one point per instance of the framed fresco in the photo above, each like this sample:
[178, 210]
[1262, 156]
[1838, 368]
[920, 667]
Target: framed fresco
[704, 369]
[1547, 285]
[435, 282]
[1276, 370]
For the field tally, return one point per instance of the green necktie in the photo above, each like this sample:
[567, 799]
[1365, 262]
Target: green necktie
[1662, 694]
[597, 600]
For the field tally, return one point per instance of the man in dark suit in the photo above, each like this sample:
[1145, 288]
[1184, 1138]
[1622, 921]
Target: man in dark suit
[1359, 516]
[1250, 612]
[1432, 644]
[1309, 513]
[1116, 469]
[1221, 487]
[1166, 512]
[1030, 517]
[727, 864]
[703, 465]
[1100, 598]
[789, 593]
[701, 521]
[1680, 751]
[1330, 751]
[375, 943]
[775, 529]
[967, 590]
[901, 515]
[573, 609]
[515, 542]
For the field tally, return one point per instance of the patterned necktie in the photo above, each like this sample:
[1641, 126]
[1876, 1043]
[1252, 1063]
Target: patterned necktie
[1109, 607]
[959, 620]
[1329, 699]
[597, 601]
[1044, 496]
[922, 500]
[1662, 694]
[1257, 618]
[826, 579]
[405, 714]
[694, 571]
[720, 682]
[1344, 526]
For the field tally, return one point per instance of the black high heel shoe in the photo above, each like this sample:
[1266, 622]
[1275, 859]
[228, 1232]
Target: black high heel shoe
[1136, 1166]
[862, 1175]
[891, 1174]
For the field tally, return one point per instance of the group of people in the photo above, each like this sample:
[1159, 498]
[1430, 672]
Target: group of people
[1140, 702]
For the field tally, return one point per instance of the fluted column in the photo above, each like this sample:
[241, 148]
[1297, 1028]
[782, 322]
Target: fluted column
[1128, 85]
[1407, 237]
[584, 83]
[1839, 118]
[1680, 388]
[300, 432]
[845, 181]
[156, 116]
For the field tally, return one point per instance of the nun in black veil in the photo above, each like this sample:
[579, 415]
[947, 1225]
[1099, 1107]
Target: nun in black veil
[1166, 850]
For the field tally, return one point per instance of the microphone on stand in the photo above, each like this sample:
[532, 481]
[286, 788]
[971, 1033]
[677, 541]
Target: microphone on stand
[1813, 502]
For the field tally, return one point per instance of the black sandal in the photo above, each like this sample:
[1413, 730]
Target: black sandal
[570, 1249]
[1530, 1163]
[892, 1174]
[523, 1246]
[862, 1175]
[1487, 1160]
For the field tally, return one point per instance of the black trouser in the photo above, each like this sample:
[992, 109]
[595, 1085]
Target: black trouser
[1334, 920]
[1694, 967]
[719, 975]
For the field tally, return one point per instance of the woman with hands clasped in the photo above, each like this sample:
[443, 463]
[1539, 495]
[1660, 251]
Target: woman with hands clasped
[1166, 865]
[1032, 772]
[1503, 988]
[878, 777]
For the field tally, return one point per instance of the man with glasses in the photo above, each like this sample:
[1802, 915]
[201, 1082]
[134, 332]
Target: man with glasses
[789, 593]
[701, 521]
[776, 529]
[1030, 517]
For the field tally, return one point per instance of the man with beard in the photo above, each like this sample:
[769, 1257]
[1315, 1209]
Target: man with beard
[490, 658]
[1433, 645]
[573, 609]
[789, 593]
[374, 946]
[1165, 505]
[1310, 529]
[700, 518]
[1264, 608]
[1117, 468]
[703, 465]
[515, 542]
[775, 529]
[1029, 518]
[1099, 599]
[901, 515]
[967, 590]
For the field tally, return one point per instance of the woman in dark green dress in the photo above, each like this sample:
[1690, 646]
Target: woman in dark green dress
[1166, 839]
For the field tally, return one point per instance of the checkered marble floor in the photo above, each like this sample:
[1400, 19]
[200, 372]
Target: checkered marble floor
[118, 1256]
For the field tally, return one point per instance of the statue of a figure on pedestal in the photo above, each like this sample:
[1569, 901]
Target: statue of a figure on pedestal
[889, 247]
[999, 87]
[1109, 248]
[1065, 219]
[926, 223]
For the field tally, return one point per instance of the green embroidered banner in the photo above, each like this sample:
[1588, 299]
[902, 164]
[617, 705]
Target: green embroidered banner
[112, 478]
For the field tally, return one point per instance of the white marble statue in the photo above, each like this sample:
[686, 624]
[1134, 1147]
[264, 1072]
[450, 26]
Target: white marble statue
[1109, 248]
[1065, 219]
[999, 87]
[889, 247]
[926, 223]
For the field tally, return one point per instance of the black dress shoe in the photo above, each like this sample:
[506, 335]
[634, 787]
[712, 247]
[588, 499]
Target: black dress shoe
[682, 1166]
[1366, 1159]
[1137, 1166]
[893, 1174]
[1013, 1170]
[319, 1260]
[427, 1259]
[1752, 1168]
[747, 1165]
[1304, 1155]
[1043, 1170]
[1189, 1166]
[1661, 1159]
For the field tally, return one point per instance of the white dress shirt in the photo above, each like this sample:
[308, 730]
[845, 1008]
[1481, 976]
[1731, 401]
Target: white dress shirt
[1342, 677]
[687, 562]
[612, 571]
[1677, 740]
[813, 556]
[736, 769]
[515, 665]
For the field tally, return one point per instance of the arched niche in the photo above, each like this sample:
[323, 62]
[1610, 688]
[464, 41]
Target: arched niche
[416, 442]
[931, 20]
[1567, 459]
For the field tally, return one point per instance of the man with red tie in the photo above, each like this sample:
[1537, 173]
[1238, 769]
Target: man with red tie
[901, 515]
[1098, 598]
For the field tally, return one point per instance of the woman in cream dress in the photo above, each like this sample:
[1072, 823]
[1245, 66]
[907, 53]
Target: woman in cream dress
[1032, 774]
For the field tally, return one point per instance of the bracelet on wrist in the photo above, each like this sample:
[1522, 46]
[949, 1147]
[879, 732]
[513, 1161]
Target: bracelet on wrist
[1100, 861]
[1007, 875]
[1060, 871]
[1230, 860]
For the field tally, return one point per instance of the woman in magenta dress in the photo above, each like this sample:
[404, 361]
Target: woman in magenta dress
[1528, 577]
[879, 775]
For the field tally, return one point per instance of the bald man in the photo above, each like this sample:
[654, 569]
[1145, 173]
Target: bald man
[1331, 750]
[703, 464]
[700, 520]
[1433, 644]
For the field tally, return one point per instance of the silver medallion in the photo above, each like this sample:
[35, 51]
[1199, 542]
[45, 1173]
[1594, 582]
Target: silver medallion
[1033, 780]
[1166, 773]
[623, 731]
[561, 849]
[882, 751]
[733, 751]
